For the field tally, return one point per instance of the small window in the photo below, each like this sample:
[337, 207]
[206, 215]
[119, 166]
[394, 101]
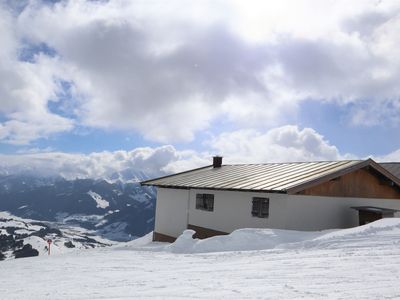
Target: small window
[205, 202]
[260, 208]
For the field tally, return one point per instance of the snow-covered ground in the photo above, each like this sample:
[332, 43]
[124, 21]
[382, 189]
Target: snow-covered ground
[357, 263]
[65, 238]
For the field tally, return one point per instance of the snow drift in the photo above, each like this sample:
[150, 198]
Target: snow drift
[239, 240]
[250, 239]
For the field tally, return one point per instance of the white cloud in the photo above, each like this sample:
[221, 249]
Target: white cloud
[393, 156]
[25, 91]
[93, 165]
[282, 144]
[129, 79]
[169, 70]
[152, 161]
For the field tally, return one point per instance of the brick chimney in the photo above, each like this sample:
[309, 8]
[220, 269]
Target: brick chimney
[217, 161]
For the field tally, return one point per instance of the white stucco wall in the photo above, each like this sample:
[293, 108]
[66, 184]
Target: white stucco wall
[171, 211]
[232, 210]
[317, 213]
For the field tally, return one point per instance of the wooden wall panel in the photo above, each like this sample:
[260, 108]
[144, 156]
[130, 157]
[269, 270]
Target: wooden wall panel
[159, 237]
[363, 183]
[203, 233]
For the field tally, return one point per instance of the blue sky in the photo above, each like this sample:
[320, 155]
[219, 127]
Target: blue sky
[332, 121]
[253, 81]
[328, 119]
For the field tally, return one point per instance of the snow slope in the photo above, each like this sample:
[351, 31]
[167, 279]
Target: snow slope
[16, 232]
[100, 202]
[357, 263]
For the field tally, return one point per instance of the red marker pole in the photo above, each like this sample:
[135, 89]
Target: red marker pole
[49, 242]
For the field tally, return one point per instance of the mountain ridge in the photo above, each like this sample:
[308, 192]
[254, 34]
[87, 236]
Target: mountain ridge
[118, 208]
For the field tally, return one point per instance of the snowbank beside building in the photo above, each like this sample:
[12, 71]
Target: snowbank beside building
[251, 239]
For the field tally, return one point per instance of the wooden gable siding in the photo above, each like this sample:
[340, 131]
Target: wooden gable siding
[362, 183]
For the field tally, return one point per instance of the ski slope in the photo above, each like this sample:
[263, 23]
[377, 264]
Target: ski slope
[356, 263]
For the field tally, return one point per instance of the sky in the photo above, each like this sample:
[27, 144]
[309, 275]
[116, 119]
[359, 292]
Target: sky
[92, 87]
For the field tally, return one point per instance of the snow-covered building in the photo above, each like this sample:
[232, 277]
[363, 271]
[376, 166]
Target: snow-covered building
[307, 196]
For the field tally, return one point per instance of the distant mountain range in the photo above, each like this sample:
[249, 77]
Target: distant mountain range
[118, 208]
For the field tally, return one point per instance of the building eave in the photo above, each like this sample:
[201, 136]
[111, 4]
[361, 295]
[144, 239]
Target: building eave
[215, 189]
[362, 164]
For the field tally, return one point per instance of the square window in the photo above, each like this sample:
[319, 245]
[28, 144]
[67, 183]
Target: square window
[205, 202]
[260, 207]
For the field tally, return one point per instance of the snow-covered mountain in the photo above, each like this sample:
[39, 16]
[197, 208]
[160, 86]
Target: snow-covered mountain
[25, 237]
[116, 208]
[129, 175]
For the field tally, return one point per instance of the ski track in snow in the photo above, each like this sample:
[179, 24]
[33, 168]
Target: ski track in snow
[360, 263]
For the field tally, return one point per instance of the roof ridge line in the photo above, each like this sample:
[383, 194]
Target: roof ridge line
[296, 162]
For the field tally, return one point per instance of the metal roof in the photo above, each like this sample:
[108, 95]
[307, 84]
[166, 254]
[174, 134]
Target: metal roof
[392, 167]
[272, 177]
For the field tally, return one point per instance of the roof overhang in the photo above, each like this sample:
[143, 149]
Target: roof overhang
[375, 209]
[362, 164]
[177, 187]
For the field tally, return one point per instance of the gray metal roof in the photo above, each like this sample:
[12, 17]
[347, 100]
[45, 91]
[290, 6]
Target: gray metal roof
[392, 167]
[272, 177]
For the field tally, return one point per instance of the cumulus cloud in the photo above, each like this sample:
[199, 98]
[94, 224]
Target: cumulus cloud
[169, 70]
[282, 144]
[26, 88]
[151, 161]
[131, 79]
[393, 156]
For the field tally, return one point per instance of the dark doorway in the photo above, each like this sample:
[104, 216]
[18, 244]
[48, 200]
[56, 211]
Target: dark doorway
[368, 214]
